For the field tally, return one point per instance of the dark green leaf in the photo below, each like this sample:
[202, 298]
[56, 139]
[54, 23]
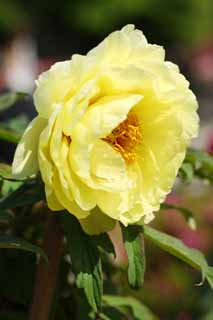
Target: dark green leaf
[187, 214]
[17, 276]
[8, 99]
[9, 315]
[27, 194]
[177, 248]
[139, 311]
[6, 216]
[85, 260]
[10, 242]
[104, 242]
[136, 255]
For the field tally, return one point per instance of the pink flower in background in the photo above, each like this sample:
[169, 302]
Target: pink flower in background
[210, 144]
[184, 316]
[202, 63]
[198, 239]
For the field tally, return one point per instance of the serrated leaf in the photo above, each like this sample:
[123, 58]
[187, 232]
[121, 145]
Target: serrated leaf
[27, 194]
[187, 214]
[178, 249]
[136, 255]
[8, 99]
[85, 260]
[138, 310]
[104, 242]
[10, 242]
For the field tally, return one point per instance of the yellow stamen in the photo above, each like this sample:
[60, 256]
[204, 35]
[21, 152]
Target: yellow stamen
[125, 137]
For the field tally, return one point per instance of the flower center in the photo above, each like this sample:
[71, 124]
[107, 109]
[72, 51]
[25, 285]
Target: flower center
[125, 137]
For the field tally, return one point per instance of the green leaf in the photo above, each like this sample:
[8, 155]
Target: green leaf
[201, 162]
[28, 193]
[186, 172]
[8, 134]
[104, 242]
[10, 315]
[187, 214]
[6, 216]
[136, 255]
[14, 287]
[10, 242]
[85, 260]
[18, 123]
[177, 248]
[8, 99]
[103, 316]
[139, 311]
[6, 172]
[208, 316]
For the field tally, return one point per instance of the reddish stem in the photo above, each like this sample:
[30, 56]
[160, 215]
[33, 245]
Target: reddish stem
[46, 278]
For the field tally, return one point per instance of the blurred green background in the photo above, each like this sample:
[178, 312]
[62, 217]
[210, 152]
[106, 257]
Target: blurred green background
[34, 34]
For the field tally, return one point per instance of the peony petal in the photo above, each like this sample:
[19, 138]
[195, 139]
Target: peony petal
[67, 184]
[25, 162]
[97, 222]
[110, 169]
[97, 123]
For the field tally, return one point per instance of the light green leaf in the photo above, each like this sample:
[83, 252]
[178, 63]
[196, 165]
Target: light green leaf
[8, 99]
[8, 134]
[186, 172]
[10, 242]
[202, 164]
[208, 316]
[85, 260]
[18, 123]
[177, 248]
[9, 184]
[136, 255]
[6, 172]
[187, 214]
[103, 316]
[138, 310]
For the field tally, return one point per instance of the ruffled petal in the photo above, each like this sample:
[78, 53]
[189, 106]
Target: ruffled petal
[97, 123]
[67, 184]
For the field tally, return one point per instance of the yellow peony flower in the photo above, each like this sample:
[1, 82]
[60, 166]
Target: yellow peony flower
[111, 131]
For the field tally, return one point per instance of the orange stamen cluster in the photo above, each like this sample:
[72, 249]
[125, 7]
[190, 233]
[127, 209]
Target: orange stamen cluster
[125, 137]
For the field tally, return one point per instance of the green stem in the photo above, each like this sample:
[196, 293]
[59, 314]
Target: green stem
[47, 273]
